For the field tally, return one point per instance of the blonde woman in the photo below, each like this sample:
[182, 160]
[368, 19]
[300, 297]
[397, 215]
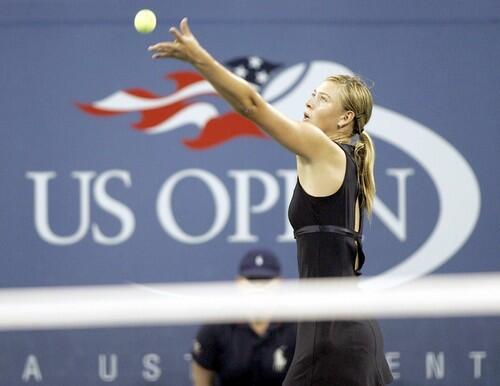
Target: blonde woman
[335, 186]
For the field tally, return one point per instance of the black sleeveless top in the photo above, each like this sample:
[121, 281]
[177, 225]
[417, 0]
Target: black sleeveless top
[327, 224]
[344, 352]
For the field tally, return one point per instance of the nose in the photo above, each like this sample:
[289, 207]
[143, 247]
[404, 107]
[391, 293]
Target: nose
[310, 103]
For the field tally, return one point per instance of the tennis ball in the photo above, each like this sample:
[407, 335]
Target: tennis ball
[145, 21]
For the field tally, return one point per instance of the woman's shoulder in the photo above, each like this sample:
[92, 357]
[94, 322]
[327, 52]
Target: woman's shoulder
[347, 148]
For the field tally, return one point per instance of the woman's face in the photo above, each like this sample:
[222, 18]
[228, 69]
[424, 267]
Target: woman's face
[323, 108]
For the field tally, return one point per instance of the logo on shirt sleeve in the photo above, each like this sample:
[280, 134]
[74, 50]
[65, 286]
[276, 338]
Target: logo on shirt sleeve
[196, 348]
[279, 359]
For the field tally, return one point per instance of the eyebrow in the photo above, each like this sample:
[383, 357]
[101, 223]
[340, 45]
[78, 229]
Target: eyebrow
[325, 94]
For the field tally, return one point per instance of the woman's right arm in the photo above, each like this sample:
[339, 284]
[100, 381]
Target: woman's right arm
[201, 376]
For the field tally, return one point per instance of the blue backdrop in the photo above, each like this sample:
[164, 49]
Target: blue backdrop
[116, 168]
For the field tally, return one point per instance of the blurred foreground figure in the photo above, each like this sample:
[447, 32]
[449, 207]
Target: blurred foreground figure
[257, 353]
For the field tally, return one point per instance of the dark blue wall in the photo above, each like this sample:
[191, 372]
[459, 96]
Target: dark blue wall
[434, 66]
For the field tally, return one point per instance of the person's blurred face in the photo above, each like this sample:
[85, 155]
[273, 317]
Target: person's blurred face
[256, 285]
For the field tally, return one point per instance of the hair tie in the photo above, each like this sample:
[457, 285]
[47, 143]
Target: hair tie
[358, 117]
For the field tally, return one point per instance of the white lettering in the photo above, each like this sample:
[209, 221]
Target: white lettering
[244, 208]
[166, 216]
[434, 365]
[152, 370]
[395, 223]
[32, 369]
[477, 357]
[243, 205]
[41, 206]
[114, 207]
[393, 361]
[108, 374]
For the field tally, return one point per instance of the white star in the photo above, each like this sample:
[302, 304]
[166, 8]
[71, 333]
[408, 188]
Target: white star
[254, 62]
[241, 71]
[259, 261]
[262, 76]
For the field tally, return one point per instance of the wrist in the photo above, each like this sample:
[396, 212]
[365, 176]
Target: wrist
[201, 60]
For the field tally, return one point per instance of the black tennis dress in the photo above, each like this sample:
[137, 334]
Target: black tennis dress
[333, 353]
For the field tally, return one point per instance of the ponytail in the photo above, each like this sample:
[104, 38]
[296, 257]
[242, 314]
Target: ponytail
[355, 96]
[364, 155]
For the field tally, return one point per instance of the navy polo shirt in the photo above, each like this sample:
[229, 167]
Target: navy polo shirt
[240, 357]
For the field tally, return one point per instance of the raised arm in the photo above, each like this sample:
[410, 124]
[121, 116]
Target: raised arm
[302, 138]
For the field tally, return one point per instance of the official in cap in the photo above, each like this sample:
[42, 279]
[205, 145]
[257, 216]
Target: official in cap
[257, 353]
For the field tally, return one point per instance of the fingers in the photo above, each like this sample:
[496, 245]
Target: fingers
[162, 50]
[175, 32]
[164, 54]
[161, 46]
[185, 27]
[172, 49]
[161, 56]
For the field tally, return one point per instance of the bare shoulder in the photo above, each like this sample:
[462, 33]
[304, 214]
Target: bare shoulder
[320, 147]
[323, 148]
[302, 138]
[324, 174]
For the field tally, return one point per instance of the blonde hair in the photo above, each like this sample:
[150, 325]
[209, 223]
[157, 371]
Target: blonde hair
[355, 96]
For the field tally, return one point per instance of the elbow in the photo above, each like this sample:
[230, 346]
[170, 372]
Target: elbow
[251, 105]
[248, 111]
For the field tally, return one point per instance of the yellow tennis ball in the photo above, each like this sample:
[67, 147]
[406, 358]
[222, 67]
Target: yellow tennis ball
[145, 21]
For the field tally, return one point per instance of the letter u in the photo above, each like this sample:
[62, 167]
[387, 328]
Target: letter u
[41, 206]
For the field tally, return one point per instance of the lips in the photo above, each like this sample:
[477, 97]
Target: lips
[306, 116]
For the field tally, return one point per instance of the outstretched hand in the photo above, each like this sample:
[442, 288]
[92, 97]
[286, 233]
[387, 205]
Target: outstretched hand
[185, 47]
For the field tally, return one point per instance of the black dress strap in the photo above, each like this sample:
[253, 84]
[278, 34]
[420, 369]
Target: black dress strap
[357, 236]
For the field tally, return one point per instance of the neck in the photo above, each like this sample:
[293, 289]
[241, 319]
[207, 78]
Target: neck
[260, 327]
[341, 138]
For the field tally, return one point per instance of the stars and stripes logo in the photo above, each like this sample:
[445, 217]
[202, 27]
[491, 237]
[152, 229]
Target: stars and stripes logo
[160, 114]
[253, 69]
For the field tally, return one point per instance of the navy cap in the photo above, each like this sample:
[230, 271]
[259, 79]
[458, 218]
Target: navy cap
[259, 264]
